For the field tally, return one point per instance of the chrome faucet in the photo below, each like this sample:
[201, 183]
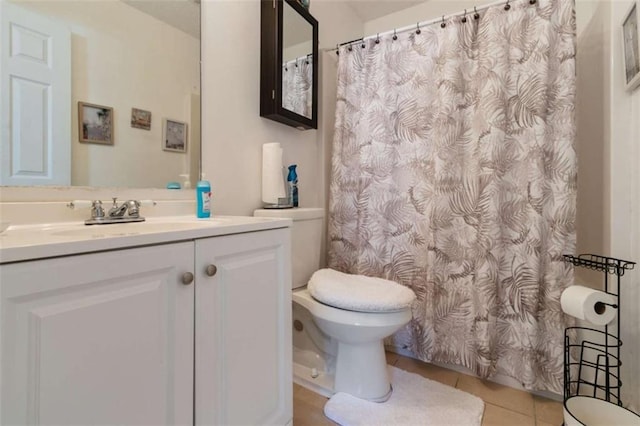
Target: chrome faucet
[130, 206]
[129, 211]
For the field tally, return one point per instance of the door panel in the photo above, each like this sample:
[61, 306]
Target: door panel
[35, 110]
[99, 339]
[243, 368]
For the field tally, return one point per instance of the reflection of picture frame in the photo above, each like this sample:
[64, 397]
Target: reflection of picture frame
[95, 123]
[174, 135]
[631, 45]
[140, 119]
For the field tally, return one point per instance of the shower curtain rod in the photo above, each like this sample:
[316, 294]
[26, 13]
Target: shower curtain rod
[299, 58]
[473, 13]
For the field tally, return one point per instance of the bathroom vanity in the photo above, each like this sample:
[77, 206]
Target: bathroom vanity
[170, 321]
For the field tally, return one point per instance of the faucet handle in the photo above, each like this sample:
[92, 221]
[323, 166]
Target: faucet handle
[96, 209]
[78, 204]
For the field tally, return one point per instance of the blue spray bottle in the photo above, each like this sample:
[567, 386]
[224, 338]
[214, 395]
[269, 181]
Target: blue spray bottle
[292, 180]
[203, 196]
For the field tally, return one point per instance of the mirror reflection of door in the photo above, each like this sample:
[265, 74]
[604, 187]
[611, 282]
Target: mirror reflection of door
[297, 67]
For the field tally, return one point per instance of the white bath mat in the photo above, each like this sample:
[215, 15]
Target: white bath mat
[414, 401]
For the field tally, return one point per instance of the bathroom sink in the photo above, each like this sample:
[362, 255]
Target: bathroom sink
[125, 229]
[43, 240]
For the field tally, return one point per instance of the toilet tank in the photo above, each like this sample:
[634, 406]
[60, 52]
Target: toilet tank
[306, 237]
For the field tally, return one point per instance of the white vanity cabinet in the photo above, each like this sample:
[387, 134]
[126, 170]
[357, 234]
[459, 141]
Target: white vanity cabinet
[126, 336]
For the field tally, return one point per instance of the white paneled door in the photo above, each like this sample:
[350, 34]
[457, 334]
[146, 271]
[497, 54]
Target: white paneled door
[103, 338]
[35, 101]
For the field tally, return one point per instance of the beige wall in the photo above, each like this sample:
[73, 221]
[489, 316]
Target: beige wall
[608, 117]
[593, 135]
[422, 12]
[233, 131]
[624, 199]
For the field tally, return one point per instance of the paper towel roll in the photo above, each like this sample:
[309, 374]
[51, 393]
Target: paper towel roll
[272, 177]
[588, 304]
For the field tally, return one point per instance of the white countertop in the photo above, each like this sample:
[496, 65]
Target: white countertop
[28, 242]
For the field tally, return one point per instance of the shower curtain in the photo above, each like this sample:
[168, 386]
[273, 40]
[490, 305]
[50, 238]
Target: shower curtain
[297, 80]
[454, 173]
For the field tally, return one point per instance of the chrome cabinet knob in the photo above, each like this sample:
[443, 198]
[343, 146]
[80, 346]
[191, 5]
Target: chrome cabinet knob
[211, 270]
[187, 278]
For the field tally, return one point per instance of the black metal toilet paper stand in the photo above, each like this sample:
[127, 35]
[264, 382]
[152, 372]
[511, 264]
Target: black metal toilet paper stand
[592, 356]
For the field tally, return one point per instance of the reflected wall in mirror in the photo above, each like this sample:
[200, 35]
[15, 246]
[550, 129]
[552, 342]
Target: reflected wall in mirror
[122, 53]
[289, 69]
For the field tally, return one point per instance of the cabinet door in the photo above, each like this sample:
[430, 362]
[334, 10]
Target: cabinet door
[243, 329]
[104, 338]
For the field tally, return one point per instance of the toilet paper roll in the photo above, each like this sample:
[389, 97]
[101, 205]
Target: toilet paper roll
[272, 177]
[588, 304]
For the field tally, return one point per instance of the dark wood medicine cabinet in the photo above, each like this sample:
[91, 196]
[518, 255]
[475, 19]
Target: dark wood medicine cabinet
[288, 43]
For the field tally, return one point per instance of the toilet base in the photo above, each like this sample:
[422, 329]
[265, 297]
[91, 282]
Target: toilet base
[361, 371]
[321, 384]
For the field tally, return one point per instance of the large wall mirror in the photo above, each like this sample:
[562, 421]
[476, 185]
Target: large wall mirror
[117, 92]
[289, 64]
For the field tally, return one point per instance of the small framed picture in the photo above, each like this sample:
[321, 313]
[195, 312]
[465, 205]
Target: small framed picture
[631, 44]
[95, 123]
[174, 135]
[140, 119]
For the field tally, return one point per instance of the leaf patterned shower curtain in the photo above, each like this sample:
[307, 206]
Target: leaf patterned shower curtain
[297, 80]
[454, 173]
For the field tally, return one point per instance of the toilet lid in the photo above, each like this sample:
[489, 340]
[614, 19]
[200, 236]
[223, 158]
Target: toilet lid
[359, 293]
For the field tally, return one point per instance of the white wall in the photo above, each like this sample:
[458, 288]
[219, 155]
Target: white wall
[593, 133]
[233, 131]
[422, 12]
[123, 58]
[608, 118]
[624, 198]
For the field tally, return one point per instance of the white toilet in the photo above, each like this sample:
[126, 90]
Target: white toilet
[337, 349]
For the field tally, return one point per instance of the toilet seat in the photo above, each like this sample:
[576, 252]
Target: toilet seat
[346, 317]
[359, 293]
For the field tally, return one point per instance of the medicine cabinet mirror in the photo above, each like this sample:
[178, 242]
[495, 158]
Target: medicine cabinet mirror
[289, 64]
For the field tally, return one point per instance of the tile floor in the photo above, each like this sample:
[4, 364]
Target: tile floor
[503, 405]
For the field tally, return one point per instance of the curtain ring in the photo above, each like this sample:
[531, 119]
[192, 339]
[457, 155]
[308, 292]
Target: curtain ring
[296, 63]
[476, 15]
[532, 1]
[350, 48]
[464, 18]
[395, 36]
[507, 6]
[378, 38]
[418, 28]
[443, 24]
[363, 45]
[338, 49]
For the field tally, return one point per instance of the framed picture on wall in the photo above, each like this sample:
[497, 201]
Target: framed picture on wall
[95, 123]
[631, 45]
[174, 135]
[140, 119]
